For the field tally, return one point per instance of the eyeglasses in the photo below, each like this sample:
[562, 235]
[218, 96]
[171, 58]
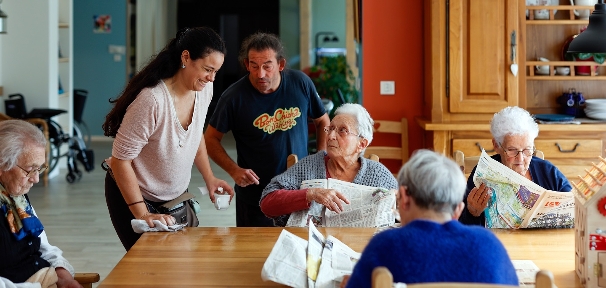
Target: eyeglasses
[268, 67]
[514, 152]
[32, 173]
[342, 131]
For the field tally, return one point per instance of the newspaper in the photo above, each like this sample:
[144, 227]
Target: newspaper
[369, 206]
[519, 202]
[328, 260]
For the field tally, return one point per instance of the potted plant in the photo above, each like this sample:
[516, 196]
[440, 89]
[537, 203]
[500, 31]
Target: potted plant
[333, 74]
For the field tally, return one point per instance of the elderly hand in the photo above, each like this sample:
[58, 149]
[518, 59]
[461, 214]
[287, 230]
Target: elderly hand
[330, 198]
[65, 279]
[245, 177]
[477, 200]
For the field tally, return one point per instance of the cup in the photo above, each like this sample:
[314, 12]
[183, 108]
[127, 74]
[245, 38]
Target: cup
[583, 14]
[222, 201]
[542, 14]
[543, 69]
[563, 70]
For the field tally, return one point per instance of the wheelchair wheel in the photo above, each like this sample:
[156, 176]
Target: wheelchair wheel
[53, 156]
[70, 177]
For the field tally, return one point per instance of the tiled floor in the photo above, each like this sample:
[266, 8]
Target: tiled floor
[76, 220]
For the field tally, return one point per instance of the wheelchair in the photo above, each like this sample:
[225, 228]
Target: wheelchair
[76, 147]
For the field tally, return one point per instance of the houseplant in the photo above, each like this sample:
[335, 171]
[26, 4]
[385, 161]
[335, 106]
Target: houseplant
[332, 74]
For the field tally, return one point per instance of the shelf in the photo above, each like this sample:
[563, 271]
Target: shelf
[63, 60]
[1, 91]
[63, 25]
[561, 8]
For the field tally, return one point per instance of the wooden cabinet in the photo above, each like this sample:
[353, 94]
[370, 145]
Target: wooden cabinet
[468, 78]
[480, 54]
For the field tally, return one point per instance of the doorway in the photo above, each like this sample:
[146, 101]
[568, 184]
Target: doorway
[234, 20]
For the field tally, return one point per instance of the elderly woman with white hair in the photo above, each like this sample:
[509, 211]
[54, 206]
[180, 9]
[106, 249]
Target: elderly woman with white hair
[513, 130]
[26, 254]
[349, 133]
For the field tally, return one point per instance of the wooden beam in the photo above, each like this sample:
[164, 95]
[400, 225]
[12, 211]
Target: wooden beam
[305, 32]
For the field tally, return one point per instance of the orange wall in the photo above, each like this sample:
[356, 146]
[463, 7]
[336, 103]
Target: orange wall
[392, 47]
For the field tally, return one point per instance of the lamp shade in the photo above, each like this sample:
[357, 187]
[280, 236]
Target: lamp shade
[3, 22]
[592, 40]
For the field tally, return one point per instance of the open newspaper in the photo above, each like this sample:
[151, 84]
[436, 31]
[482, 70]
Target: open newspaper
[369, 206]
[315, 263]
[519, 202]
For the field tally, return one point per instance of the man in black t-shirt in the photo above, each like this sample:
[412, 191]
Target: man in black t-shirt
[267, 112]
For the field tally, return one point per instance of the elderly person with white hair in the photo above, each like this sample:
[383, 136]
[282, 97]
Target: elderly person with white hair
[349, 133]
[28, 260]
[513, 130]
[431, 246]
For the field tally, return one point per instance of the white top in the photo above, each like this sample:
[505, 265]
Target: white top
[162, 152]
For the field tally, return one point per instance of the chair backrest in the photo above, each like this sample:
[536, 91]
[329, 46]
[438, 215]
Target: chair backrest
[467, 163]
[387, 152]
[291, 160]
[382, 278]
[87, 279]
[373, 157]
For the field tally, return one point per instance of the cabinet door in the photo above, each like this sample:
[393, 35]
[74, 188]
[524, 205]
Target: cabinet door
[480, 55]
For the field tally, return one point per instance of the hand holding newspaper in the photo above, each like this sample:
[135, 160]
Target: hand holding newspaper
[318, 262]
[369, 206]
[516, 202]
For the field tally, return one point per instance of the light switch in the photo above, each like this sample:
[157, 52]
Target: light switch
[388, 87]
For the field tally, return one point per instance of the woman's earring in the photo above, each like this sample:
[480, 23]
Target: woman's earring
[182, 65]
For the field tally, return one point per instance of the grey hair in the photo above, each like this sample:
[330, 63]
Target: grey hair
[15, 137]
[513, 120]
[434, 182]
[363, 119]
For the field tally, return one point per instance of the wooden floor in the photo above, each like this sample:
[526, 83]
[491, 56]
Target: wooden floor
[76, 220]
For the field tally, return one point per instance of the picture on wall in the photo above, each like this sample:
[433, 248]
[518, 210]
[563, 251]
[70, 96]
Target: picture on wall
[102, 23]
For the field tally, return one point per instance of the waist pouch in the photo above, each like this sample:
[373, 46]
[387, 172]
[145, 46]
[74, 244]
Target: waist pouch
[182, 207]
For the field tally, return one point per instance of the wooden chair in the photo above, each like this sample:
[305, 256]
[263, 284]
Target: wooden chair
[44, 126]
[467, 163]
[382, 278]
[291, 160]
[387, 152]
[87, 279]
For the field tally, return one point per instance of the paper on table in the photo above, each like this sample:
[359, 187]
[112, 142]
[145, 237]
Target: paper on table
[526, 271]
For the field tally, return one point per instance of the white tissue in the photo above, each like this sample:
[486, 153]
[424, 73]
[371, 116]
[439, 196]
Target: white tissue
[203, 190]
[140, 226]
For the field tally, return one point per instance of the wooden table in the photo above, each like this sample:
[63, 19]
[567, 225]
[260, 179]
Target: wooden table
[230, 256]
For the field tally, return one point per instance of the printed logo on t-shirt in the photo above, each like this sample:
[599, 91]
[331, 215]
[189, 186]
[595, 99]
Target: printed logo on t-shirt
[283, 119]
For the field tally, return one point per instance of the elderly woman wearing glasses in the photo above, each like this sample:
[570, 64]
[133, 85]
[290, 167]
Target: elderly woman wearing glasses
[513, 130]
[349, 133]
[26, 254]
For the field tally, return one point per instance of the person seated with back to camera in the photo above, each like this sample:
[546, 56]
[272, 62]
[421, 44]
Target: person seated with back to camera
[27, 259]
[431, 245]
[349, 133]
[513, 130]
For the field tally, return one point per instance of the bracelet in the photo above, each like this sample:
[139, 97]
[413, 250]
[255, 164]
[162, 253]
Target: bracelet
[131, 204]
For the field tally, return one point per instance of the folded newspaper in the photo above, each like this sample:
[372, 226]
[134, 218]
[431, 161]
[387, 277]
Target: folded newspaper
[315, 263]
[369, 206]
[519, 202]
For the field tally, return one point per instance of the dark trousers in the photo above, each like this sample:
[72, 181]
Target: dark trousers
[119, 213]
[251, 216]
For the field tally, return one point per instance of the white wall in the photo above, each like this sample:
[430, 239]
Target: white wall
[27, 49]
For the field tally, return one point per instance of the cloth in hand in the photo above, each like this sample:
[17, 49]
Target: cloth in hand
[140, 226]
